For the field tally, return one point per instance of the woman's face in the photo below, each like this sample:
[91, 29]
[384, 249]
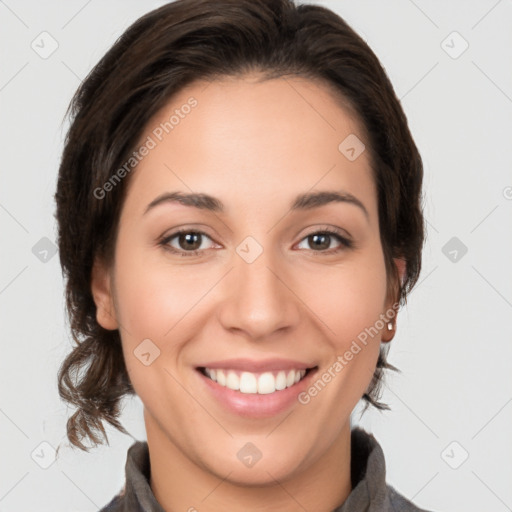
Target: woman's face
[254, 288]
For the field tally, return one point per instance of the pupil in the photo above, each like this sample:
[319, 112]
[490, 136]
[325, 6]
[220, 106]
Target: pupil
[189, 237]
[325, 237]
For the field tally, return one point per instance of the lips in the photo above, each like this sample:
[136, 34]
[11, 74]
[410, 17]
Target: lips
[256, 389]
[255, 366]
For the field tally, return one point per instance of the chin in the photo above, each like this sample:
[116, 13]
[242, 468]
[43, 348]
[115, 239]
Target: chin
[261, 474]
[244, 464]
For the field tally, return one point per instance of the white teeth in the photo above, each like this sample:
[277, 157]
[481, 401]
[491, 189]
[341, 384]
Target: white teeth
[221, 377]
[281, 381]
[263, 384]
[248, 383]
[266, 383]
[233, 381]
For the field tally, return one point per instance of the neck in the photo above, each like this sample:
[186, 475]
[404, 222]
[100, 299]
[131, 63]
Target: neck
[180, 484]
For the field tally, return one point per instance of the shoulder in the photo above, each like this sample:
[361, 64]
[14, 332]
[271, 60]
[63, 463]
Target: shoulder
[115, 505]
[400, 503]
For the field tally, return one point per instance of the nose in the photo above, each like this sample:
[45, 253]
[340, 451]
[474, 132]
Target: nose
[258, 298]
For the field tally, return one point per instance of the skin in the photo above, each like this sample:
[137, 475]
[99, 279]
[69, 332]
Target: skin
[255, 146]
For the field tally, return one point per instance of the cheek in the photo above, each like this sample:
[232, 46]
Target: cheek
[155, 296]
[347, 299]
[152, 296]
[349, 303]
[152, 302]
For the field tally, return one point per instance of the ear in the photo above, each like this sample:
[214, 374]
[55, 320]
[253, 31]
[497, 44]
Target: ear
[388, 335]
[102, 294]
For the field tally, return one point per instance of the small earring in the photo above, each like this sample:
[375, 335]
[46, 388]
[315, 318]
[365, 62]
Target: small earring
[390, 326]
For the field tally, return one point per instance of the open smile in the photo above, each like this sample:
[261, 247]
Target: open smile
[255, 394]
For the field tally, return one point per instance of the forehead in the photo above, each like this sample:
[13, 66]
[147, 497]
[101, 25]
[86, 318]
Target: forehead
[259, 140]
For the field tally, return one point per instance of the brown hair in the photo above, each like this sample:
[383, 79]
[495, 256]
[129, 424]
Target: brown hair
[160, 54]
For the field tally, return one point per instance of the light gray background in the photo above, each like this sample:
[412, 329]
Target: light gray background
[453, 343]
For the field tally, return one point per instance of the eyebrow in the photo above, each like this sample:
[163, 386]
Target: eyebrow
[304, 201]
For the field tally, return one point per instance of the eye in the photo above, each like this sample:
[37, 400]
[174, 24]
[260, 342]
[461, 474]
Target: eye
[321, 240]
[189, 242]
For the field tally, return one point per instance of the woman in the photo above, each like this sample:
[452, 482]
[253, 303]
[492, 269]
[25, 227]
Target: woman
[239, 210]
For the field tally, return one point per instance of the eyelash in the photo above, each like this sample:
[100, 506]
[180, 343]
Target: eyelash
[345, 243]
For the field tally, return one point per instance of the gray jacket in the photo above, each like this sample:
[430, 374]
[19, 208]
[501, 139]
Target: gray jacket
[370, 493]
